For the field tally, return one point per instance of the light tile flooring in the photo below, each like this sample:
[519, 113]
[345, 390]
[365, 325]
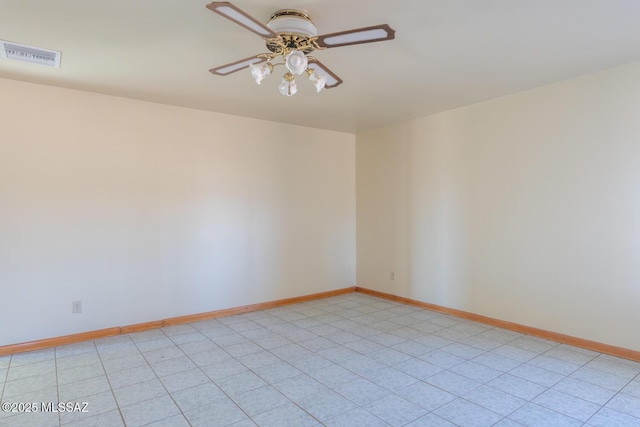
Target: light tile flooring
[351, 360]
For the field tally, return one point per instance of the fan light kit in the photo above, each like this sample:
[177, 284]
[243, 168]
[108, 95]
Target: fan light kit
[291, 36]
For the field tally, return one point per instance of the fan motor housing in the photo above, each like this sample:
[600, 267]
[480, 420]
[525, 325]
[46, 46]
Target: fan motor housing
[295, 30]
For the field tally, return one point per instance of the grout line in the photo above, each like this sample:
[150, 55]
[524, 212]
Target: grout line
[4, 384]
[157, 376]
[6, 378]
[604, 405]
[55, 364]
[109, 382]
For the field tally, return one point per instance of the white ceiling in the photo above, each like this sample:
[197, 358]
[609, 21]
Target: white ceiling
[447, 53]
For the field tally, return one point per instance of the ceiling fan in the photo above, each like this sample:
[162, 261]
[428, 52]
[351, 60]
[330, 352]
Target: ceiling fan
[291, 35]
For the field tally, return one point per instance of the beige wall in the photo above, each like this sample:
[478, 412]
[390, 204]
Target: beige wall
[145, 211]
[525, 208]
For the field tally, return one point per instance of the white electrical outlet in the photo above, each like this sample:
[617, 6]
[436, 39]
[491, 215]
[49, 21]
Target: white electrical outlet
[393, 275]
[76, 307]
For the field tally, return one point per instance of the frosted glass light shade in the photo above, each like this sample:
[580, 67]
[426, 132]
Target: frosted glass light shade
[296, 62]
[260, 71]
[288, 85]
[331, 80]
[318, 82]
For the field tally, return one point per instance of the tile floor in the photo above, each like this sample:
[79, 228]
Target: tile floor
[352, 360]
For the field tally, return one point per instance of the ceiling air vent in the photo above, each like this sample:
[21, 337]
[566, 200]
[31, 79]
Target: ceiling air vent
[35, 55]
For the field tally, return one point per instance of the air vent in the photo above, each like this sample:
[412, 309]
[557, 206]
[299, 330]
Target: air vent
[35, 55]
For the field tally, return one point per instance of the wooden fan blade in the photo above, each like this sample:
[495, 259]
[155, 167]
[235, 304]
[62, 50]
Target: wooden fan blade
[226, 69]
[240, 17]
[376, 33]
[332, 80]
